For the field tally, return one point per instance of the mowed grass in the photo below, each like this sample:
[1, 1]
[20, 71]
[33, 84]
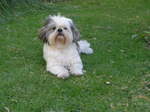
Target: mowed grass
[117, 77]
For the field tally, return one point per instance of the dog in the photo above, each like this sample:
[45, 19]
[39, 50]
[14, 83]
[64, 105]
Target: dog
[62, 46]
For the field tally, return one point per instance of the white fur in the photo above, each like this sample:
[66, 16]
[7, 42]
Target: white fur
[59, 61]
[84, 47]
[63, 60]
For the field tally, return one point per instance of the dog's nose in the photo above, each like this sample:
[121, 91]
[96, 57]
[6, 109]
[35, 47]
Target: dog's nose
[59, 30]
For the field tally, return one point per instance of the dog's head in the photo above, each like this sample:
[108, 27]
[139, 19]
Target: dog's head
[59, 31]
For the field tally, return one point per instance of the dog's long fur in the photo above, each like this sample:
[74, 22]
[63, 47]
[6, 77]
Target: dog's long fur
[62, 46]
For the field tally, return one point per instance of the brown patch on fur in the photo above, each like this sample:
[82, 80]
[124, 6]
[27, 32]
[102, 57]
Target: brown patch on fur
[60, 39]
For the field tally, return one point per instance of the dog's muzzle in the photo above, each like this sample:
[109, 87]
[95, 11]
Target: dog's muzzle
[60, 38]
[59, 30]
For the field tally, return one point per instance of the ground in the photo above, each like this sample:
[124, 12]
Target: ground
[117, 77]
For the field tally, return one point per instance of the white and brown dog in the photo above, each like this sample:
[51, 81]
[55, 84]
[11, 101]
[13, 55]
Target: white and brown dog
[62, 46]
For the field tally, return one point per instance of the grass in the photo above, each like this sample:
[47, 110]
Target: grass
[118, 73]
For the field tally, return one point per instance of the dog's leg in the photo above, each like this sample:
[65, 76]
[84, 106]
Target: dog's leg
[58, 70]
[76, 69]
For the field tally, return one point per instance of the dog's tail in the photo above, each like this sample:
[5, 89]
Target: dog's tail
[84, 47]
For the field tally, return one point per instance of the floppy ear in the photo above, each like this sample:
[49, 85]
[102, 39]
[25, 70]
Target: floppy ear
[75, 32]
[43, 32]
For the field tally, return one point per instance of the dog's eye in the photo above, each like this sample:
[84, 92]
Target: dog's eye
[65, 28]
[54, 28]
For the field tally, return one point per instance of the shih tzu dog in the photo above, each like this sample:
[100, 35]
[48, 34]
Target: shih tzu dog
[62, 46]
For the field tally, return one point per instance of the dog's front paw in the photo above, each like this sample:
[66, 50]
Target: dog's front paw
[77, 72]
[76, 69]
[63, 75]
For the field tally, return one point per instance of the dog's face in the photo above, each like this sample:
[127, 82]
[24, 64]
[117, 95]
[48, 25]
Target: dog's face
[59, 31]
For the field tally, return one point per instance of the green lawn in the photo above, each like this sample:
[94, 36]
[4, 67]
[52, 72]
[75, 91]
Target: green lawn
[118, 73]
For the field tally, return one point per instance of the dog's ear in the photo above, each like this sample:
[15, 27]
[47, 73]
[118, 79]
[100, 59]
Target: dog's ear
[75, 32]
[43, 32]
